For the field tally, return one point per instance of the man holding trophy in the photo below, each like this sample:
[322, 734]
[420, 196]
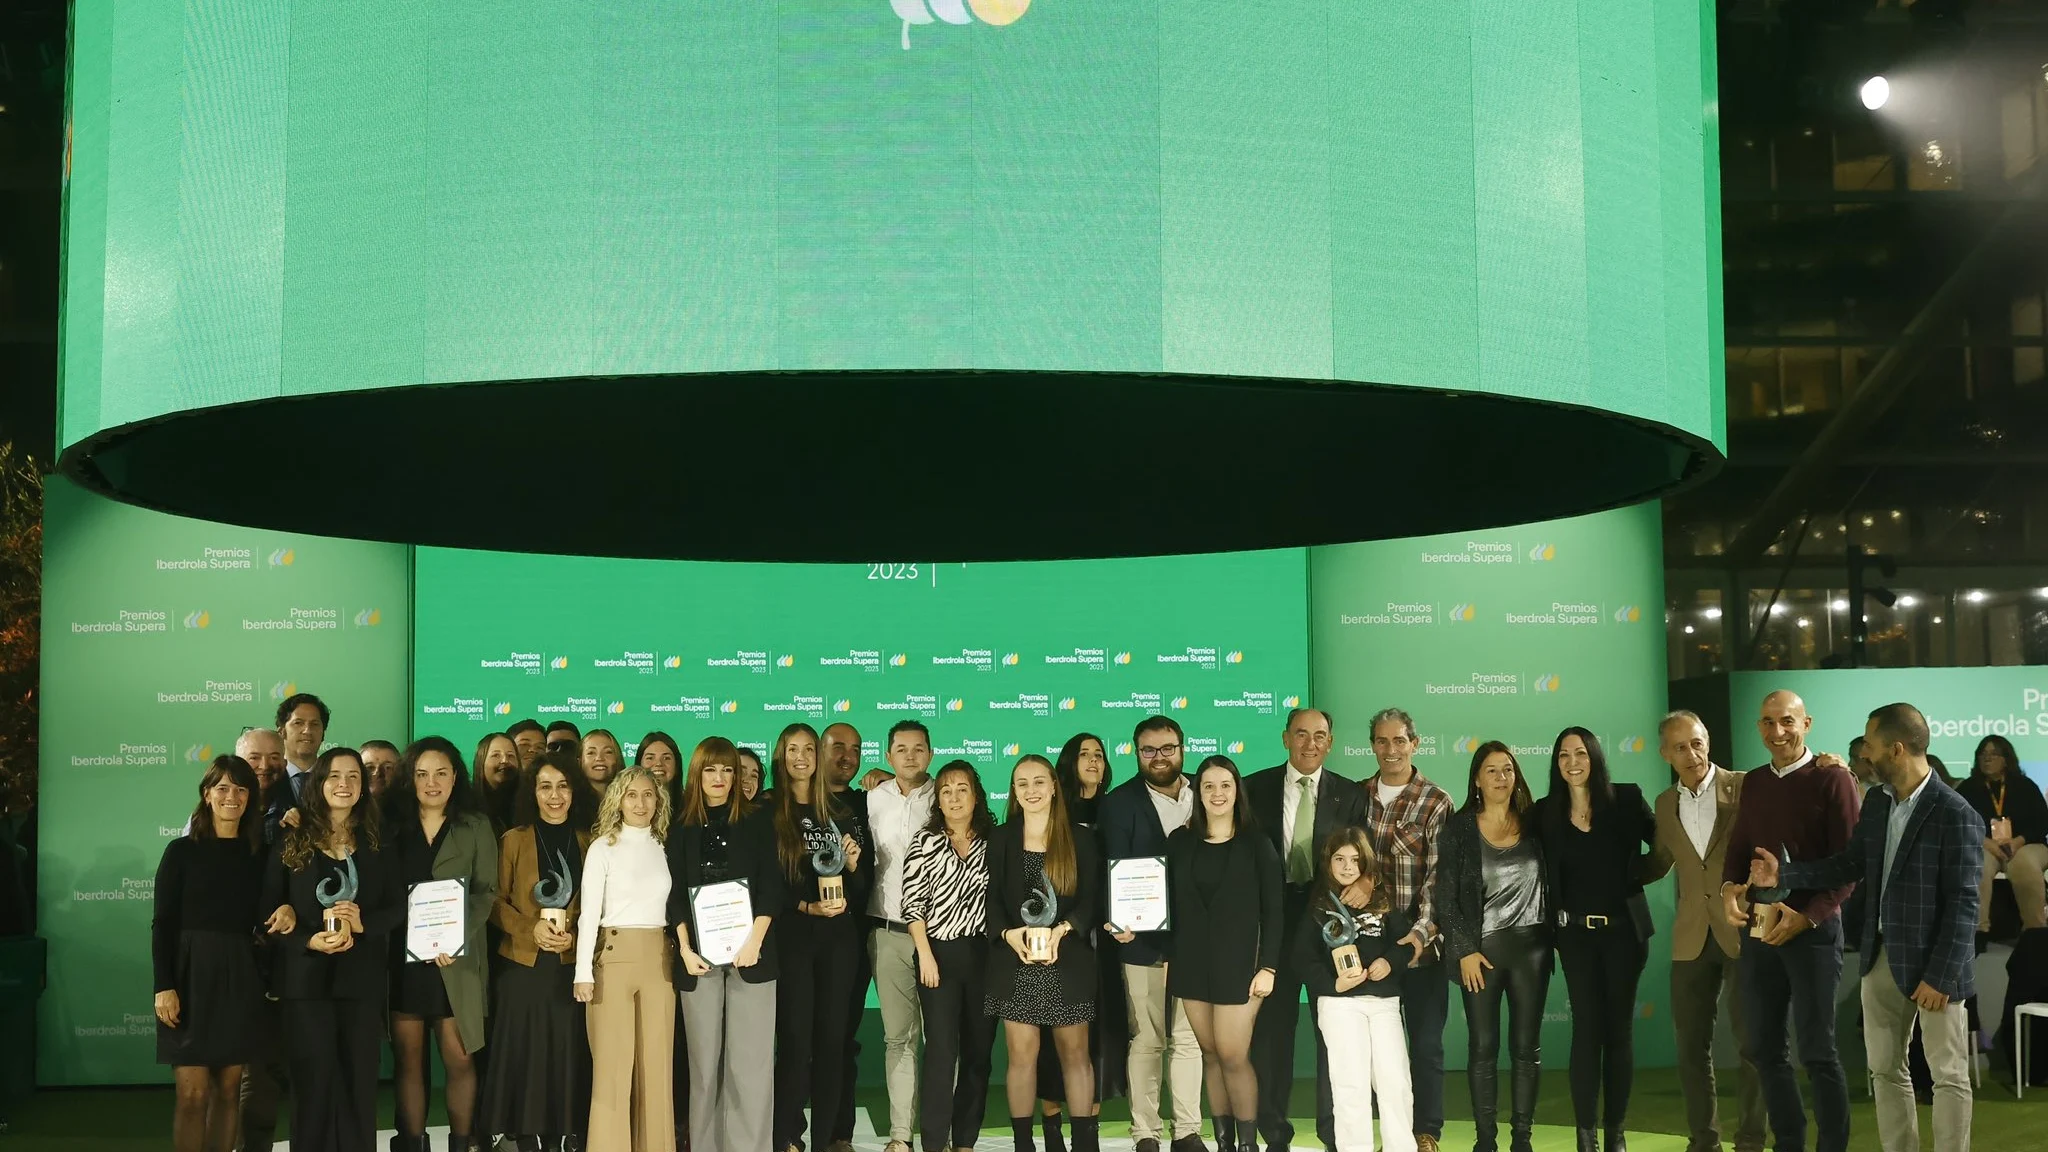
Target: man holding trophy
[1799, 807]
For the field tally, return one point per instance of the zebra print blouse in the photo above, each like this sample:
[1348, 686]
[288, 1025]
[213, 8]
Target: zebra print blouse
[947, 892]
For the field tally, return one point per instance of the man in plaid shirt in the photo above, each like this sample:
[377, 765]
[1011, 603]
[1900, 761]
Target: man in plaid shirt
[1407, 815]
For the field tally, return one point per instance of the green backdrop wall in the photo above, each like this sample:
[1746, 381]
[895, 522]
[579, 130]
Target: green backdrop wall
[163, 639]
[1509, 635]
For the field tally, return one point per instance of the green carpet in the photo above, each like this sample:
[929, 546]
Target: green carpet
[120, 1120]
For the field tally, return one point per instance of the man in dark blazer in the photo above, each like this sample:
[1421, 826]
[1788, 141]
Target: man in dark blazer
[1135, 819]
[1279, 796]
[1918, 849]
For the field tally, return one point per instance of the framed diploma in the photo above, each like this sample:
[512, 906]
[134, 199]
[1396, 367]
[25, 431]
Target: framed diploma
[435, 919]
[1137, 894]
[721, 919]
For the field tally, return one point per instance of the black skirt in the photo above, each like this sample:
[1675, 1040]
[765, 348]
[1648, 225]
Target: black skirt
[417, 989]
[220, 1003]
[537, 1082]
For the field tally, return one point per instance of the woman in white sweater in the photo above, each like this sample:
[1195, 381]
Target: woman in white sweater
[622, 969]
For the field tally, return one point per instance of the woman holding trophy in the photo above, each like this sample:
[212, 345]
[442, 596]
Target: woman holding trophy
[1350, 954]
[334, 968]
[1223, 881]
[537, 1086]
[725, 890]
[818, 937]
[1044, 892]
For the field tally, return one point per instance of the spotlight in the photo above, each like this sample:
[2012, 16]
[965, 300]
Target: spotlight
[1805, 622]
[1975, 596]
[1712, 613]
[1688, 630]
[1875, 92]
[1907, 601]
[1839, 605]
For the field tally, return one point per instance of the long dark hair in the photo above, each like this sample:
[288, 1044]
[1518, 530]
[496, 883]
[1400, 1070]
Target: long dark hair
[583, 799]
[237, 772]
[405, 802]
[497, 801]
[825, 809]
[1068, 766]
[1062, 867]
[2005, 748]
[1599, 786]
[1327, 888]
[692, 807]
[982, 822]
[1242, 822]
[1518, 802]
[315, 828]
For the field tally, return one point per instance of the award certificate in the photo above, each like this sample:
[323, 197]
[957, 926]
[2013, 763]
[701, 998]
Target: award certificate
[1137, 894]
[722, 917]
[435, 919]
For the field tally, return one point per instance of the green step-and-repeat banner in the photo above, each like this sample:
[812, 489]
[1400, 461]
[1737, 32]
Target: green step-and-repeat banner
[1509, 635]
[996, 659]
[163, 639]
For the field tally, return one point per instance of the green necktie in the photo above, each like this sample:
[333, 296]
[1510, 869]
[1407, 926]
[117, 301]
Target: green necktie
[1301, 847]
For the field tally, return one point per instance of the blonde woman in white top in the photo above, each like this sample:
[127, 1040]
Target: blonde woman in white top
[622, 969]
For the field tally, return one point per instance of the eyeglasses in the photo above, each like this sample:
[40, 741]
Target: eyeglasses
[1156, 753]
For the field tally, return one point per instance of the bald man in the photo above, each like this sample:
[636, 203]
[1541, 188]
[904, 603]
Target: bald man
[1804, 806]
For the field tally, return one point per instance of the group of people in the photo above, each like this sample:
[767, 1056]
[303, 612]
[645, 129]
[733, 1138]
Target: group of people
[600, 898]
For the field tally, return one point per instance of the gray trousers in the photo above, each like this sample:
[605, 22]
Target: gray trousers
[730, 1026]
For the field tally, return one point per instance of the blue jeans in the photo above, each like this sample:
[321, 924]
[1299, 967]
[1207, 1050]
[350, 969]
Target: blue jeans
[1794, 984]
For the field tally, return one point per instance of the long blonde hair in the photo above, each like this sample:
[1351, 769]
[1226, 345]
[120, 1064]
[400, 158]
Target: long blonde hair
[610, 819]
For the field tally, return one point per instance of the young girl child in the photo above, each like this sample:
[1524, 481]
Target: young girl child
[622, 970]
[1360, 1010]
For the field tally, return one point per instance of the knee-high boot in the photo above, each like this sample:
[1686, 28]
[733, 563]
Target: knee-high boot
[1528, 1078]
[1484, 1082]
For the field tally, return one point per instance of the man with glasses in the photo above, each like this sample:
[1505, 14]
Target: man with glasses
[1405, 816]
[1135, 820]
[1298, 804]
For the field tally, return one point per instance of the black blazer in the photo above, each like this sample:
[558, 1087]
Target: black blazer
[1080, 911]
[364, 971]
[1222, 942]
[1129, 826]
[1340, 803]
[750, 848]
[1620, 833]
[1461, 883]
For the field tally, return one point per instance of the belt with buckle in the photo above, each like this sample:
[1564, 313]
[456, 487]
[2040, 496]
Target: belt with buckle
[1567, 920]
[896, 926]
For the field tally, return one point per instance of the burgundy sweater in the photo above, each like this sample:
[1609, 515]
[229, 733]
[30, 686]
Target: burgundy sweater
[1811, 813]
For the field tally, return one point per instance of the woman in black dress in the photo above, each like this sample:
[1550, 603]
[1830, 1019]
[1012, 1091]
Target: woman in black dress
[1594, 833]
[1083, 769]
[209, 992]
[537, 1084]
[333, 980]
[1490, 901]
[437, 834]
[1037, 859]
[819, 943]
[1223, 882]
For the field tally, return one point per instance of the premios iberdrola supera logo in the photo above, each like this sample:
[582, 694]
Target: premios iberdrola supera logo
[996, 12]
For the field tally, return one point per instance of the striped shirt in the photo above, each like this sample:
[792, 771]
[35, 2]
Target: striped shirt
[943, 889]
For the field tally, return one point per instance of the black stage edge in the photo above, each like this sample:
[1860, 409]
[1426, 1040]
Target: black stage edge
[869, 466]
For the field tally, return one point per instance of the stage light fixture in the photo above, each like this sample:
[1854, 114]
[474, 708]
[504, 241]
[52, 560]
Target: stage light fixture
[1875, 92]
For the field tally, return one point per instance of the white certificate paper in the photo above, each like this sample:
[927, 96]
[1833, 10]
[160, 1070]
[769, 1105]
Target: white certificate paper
[434, 919]
[1137, 894]
[722, 917]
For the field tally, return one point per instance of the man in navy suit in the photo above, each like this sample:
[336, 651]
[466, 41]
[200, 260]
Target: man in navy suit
[1296, 804]
[1136, 818]
[1918, 851]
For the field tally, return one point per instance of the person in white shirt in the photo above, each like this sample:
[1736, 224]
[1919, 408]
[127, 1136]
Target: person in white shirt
[897, 810]
[622, 970]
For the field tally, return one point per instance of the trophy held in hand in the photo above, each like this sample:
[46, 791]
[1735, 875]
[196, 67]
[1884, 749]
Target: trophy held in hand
[1766, 903]
[1041, 909]
[334, 890]
[554, 891]
[1340, 935]
[829, 863]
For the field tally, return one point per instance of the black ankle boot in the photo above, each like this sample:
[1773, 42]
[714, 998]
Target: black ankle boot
[1617, 1140]
[1050, 1125]
[1020, 1132]
[1522, 1100]
[457, 1142]
[1484, 1083]
[1087, 1133]
[1247, 1135]
[1225, 1128]
[1589, 1140]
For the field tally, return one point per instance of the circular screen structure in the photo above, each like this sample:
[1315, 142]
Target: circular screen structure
[802, 280]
